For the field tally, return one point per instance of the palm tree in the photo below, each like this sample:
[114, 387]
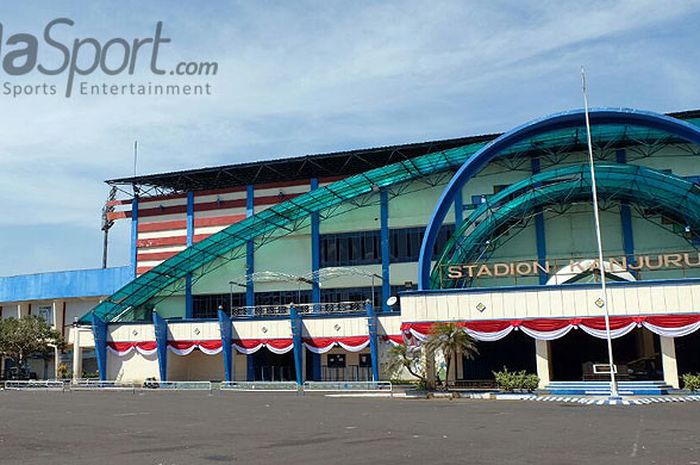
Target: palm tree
[402, 356]
[450, 339]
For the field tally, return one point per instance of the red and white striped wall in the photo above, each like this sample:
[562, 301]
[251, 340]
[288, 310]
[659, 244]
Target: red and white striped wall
[162, 221]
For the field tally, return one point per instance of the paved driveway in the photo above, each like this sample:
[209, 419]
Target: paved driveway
[181, 428]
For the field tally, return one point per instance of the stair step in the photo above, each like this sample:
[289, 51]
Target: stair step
[607, 393]
[648, 383]
[602, 388]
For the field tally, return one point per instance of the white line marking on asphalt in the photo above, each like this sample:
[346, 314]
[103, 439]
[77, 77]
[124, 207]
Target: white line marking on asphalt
[635, 445]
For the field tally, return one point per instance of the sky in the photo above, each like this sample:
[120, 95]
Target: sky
[307, 77]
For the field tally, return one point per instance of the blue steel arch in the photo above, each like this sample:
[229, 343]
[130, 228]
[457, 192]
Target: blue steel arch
[555, 122]
[656, 191]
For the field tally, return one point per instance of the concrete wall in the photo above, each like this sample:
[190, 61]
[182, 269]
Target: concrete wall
[637, 298]
[196, 366]
[133, 367]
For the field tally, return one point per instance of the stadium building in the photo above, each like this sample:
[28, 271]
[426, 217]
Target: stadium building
[284, 269]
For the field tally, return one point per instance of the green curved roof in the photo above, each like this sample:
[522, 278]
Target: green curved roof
[284, 217]
[655, 190]
[278, 218]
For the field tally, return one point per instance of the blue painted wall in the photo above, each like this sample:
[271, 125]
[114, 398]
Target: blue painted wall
[64, 284]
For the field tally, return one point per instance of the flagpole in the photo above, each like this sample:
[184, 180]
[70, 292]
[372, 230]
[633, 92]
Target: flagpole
[601, 263]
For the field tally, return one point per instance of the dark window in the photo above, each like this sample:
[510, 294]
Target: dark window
[357, 294]
[282, 297]
[206, 306]
[371, 248]
[365, 360]
[336, 360]
[364, 248]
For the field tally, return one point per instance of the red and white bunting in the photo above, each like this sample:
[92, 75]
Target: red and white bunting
[211, 347]
[122, 349]
[548, 329]
[321, 345]
[394, 339]
[250, 346]
[276, 346]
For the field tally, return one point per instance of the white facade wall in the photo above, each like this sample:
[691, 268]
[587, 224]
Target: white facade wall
[548, 302]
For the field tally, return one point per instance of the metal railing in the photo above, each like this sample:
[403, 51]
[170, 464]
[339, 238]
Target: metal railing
[260, 311]
[97, 385]
[305, 308]
[28, 385]
[331, 307]
[349, 386]
[239, 386]
[179, 385]
[259, 386]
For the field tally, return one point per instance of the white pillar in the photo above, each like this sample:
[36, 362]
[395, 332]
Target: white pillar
[56, 361]
[57, 317]
[77, 356]
[57, 309]
[668, 361]
[544, 363]
[22, 310]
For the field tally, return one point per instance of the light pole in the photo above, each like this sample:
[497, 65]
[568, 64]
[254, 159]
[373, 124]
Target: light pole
[374, 275]
[601, 264]
[302, 280]
[230, 294]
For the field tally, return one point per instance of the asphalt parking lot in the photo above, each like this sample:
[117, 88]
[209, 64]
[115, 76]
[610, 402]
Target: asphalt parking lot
[180, 428]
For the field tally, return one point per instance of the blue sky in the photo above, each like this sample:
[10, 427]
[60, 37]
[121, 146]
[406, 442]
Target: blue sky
[305, 77]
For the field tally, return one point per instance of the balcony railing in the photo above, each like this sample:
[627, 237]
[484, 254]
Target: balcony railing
[332, 307]
[324, 308]
[260, 311]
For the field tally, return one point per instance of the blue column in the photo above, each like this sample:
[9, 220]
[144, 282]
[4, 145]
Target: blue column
[134, 233]
[315, 368]
[250, 251]
[384, 244]
[459, 208]
[626, 218]
[190, 241]
[250, 367]
[298, 347]
[161, 327]
[226, 329]
[315, 250]
[540, 237]
[99, 332]
[373, 327]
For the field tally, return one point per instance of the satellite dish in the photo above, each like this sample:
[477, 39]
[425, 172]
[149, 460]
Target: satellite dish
[391, 301]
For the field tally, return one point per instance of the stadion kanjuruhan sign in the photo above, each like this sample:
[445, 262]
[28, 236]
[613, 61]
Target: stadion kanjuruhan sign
[571, 266]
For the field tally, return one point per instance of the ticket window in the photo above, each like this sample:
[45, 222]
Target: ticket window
[336, 361]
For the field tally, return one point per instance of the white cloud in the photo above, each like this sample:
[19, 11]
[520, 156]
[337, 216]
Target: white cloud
[310, 77]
